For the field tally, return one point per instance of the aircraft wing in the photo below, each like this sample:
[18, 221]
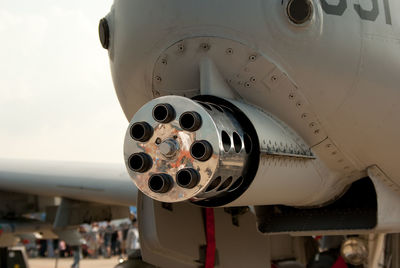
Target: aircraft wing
[88, 192]
[101, 183]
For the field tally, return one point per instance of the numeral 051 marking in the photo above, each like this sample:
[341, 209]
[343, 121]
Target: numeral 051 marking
[371, 15]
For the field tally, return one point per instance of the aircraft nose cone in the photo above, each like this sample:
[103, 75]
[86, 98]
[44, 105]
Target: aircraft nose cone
[168, 148]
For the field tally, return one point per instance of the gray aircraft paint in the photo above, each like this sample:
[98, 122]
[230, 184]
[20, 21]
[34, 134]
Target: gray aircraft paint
[333, 79]
[338, 9]
[342, 68]
[96, 182]
[363, 13]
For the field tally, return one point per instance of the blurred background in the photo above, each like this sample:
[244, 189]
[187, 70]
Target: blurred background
[57, 100]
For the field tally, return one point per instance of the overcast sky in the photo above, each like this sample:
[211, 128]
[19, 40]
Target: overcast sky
[57, 100]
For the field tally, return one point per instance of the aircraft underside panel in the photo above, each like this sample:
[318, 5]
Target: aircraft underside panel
[174, 235]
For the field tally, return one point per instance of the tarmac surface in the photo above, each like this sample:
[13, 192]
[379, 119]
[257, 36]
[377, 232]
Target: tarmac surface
[66, 263]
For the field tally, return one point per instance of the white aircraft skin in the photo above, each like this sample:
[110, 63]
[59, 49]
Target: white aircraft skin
[96, 182]
[333, 79]
[340, 90]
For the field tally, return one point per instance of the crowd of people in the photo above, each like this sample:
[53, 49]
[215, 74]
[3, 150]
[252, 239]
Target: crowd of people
[110, 240]
[104, 239]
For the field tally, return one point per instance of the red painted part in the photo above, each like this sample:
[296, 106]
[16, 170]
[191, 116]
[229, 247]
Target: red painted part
[340, 263]
[210, 238]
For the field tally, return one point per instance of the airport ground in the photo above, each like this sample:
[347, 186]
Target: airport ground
[66, 263]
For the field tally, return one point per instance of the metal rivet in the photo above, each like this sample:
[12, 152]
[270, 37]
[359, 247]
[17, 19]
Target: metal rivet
[247, 84]
[253, 79]
[274, 78]
[158, 79]
[253, 57]
[181, 47]
[298, 104]
[164, 61]
[312, 124]
[229, 51]
[304, 116]
[158, 141]
[291, 96]
[205, 46]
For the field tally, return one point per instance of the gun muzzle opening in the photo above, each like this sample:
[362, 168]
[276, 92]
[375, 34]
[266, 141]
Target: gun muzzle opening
[190, 121]
[160, 183]
[141, 131]
[187, 178]
[201, 150]
[163, 113]
[140, 162]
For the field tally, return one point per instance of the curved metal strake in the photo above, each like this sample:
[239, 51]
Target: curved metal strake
[179, 149]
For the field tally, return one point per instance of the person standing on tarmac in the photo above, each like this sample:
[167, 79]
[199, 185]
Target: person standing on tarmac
[132, 239]
[133, 249]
